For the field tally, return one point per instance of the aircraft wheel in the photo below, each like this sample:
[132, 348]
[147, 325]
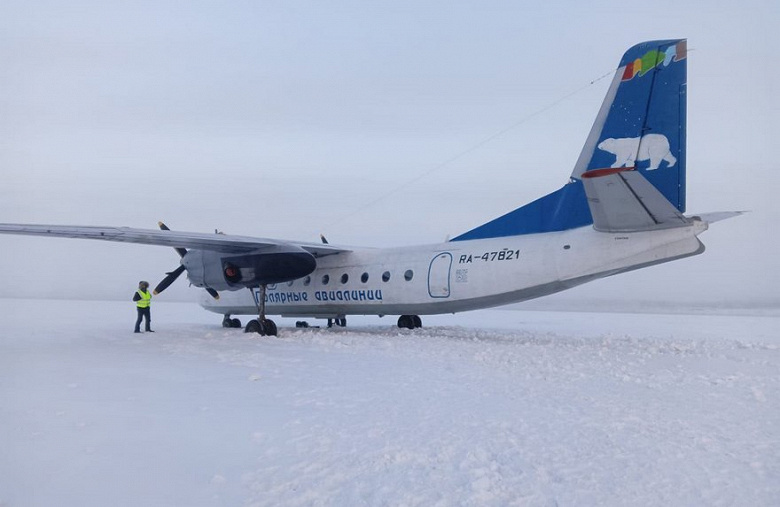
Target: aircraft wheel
[341, 322]
[417, 321]
[406, 321]
[301, 323]
[268, 328]
[226, 322]
[235, 323]
[253, 326]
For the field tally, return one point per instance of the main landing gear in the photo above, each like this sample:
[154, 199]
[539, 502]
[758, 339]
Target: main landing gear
[261, 325]
[339, 321]
[264, 327]
[409, 321]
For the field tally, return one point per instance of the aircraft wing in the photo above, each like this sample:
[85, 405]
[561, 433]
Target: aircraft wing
[225, 243]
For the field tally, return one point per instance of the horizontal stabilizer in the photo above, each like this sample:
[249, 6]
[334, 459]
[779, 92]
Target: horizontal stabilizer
[717, 216]
[622, 200]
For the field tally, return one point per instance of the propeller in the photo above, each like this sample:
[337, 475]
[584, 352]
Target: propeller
[171, 276]
[181, 251]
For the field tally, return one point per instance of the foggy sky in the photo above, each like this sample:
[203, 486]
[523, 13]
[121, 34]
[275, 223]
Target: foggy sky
[290, 119]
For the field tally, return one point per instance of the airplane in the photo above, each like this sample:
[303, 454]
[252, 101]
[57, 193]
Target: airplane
[622, 209]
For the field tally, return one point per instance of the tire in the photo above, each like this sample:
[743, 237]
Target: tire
[417, 321]
[269, 328]
[235, 323]
[405, 321]
[253, 326]
[226, 322]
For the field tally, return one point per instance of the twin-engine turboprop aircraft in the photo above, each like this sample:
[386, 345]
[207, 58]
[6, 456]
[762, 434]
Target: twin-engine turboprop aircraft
[621, 210]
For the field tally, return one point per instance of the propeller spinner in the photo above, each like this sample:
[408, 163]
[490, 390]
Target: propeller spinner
[173, 275]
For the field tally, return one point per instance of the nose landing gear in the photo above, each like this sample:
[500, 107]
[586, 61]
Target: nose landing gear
[228, 322]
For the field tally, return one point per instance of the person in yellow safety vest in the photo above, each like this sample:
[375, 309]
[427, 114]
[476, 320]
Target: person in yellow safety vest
[143, 302]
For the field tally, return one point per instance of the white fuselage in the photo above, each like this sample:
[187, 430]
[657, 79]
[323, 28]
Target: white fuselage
[462, 275]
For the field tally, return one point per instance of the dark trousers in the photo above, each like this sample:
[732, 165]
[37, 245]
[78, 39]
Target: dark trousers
[144, 313]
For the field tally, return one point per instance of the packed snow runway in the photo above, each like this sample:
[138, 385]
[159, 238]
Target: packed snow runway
[486, 408]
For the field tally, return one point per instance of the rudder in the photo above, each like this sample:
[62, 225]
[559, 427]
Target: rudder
[642, 121]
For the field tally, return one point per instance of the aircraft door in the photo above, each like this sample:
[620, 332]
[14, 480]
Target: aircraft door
[439, 275]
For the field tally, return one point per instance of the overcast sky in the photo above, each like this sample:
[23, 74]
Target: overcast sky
[287, 119]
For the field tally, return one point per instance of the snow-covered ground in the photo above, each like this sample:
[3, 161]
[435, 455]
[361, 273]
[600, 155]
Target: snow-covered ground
[485, 408]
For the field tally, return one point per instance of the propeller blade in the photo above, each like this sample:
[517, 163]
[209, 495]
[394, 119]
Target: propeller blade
[181, 251]
[173, 275]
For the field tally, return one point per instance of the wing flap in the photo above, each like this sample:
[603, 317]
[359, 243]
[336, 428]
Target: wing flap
[201, 241]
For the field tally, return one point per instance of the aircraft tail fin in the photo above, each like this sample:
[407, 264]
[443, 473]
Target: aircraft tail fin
[641, 124]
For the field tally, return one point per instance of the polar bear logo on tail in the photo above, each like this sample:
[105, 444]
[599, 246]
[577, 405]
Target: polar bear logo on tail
[627, 150]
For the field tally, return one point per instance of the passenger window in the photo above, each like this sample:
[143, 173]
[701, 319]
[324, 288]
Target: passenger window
[344, 278]
[364, 277]
[386, 276]
[408, 275]
[325, 279]
[307, 280]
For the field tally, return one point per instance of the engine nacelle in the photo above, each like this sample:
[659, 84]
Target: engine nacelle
[221, 271]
